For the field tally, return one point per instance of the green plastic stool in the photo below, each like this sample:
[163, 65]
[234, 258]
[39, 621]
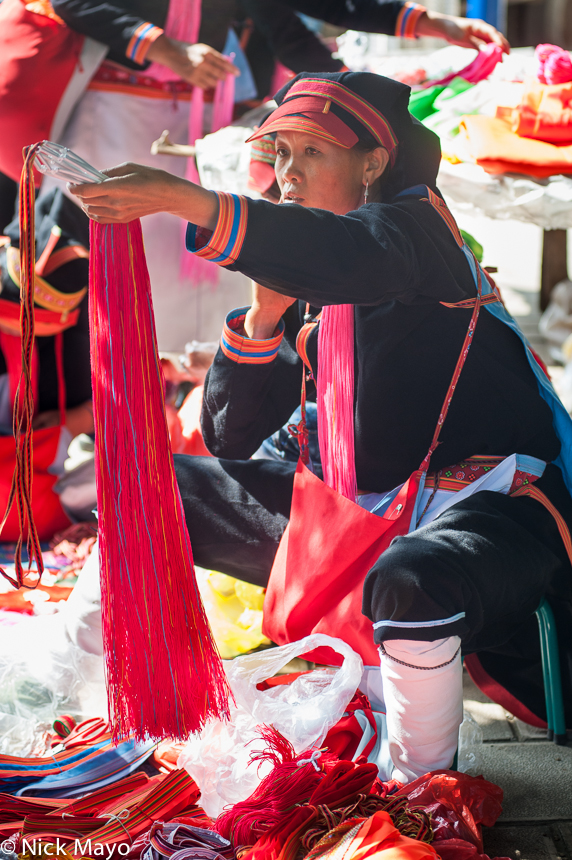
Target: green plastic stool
[551, 674]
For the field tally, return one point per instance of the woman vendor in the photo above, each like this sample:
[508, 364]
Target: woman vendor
[362, 223]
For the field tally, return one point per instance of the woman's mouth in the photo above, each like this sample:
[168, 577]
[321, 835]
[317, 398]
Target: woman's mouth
[289, 197]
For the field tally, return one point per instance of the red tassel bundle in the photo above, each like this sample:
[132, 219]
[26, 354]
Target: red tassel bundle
[290, 783]
[164, 675]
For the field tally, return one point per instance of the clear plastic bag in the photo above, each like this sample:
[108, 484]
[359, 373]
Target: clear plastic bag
[470, 745]
[218, 758]
[58, 161]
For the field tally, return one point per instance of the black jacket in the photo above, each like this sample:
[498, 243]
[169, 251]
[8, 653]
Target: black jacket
[395, 263]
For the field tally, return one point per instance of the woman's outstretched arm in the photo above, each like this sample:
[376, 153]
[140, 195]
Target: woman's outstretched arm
[134, 190]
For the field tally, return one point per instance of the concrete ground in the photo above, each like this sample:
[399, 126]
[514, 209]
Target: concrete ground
[536, 775]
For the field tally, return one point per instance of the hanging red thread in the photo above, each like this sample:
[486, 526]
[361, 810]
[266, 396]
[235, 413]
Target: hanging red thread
[164, 675]
[23, 411]
[335, 386]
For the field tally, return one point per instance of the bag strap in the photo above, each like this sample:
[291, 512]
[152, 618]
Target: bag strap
[442, 209]
[536, 493]
[456, 374]
[300, 430]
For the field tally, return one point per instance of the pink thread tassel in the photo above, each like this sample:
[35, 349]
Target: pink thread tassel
[164, 675]
[336, 399]
[223, 102]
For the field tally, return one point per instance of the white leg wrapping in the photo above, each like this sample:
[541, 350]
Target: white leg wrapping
[424, 704]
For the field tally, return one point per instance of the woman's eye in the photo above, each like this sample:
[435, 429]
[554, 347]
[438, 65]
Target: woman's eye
[311, 151]
[280, 151]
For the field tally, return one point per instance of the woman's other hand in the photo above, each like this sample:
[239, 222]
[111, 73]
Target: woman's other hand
[79, 419]
[198, 64]
[265, 312]
[466, 32]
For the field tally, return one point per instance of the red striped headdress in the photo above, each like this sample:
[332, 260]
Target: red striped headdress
[330, 110]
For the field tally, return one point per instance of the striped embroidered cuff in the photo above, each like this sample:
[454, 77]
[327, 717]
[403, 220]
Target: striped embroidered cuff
[225, 243]
[244, 350]
[141, 41]
[407, 20]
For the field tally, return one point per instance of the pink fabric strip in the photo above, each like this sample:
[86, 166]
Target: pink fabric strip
[183, 23]
[335, 386]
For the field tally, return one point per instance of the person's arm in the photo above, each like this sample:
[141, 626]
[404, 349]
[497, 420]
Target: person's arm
[404, 19]
[378, 253]
[291, 41]
[127, 34]
[251, 389]
[135, 42]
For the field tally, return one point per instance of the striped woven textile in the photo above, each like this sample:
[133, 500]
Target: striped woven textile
[119, 815]
[89, 759]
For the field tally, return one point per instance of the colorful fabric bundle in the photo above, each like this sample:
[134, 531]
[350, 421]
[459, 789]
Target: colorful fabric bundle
[120, 813]
[545, 113]
[89, 759]
[491, 143]
[164, 674]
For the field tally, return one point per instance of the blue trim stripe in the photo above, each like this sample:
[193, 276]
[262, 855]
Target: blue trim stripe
[225, 243]
[238, 352]
[406, 15]
[440, 622]
[244, 350]
[140, 37]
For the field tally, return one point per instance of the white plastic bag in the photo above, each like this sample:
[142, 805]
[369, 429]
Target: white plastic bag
[218, 758]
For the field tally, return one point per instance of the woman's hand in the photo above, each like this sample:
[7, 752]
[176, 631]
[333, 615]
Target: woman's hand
[265, 312]
[198, 64]
[466, 32]
[133, 191]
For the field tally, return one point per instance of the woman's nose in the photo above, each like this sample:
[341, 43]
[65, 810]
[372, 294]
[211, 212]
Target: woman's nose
[291, 171]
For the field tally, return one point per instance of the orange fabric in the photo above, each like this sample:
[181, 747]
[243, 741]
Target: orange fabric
[490, 142]
[185, 430]
[545, 113]
[15, 601]
[378, 838]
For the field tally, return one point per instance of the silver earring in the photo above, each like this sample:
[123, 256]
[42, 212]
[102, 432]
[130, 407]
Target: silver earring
[366, 192]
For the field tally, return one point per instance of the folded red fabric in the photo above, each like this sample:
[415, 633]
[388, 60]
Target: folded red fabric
[545, 113]
[491, 142]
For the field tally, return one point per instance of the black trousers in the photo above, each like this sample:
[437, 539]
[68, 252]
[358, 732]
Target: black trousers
[482, 567]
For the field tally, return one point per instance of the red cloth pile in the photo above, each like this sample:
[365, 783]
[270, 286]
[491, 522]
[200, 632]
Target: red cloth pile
[535, 137]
